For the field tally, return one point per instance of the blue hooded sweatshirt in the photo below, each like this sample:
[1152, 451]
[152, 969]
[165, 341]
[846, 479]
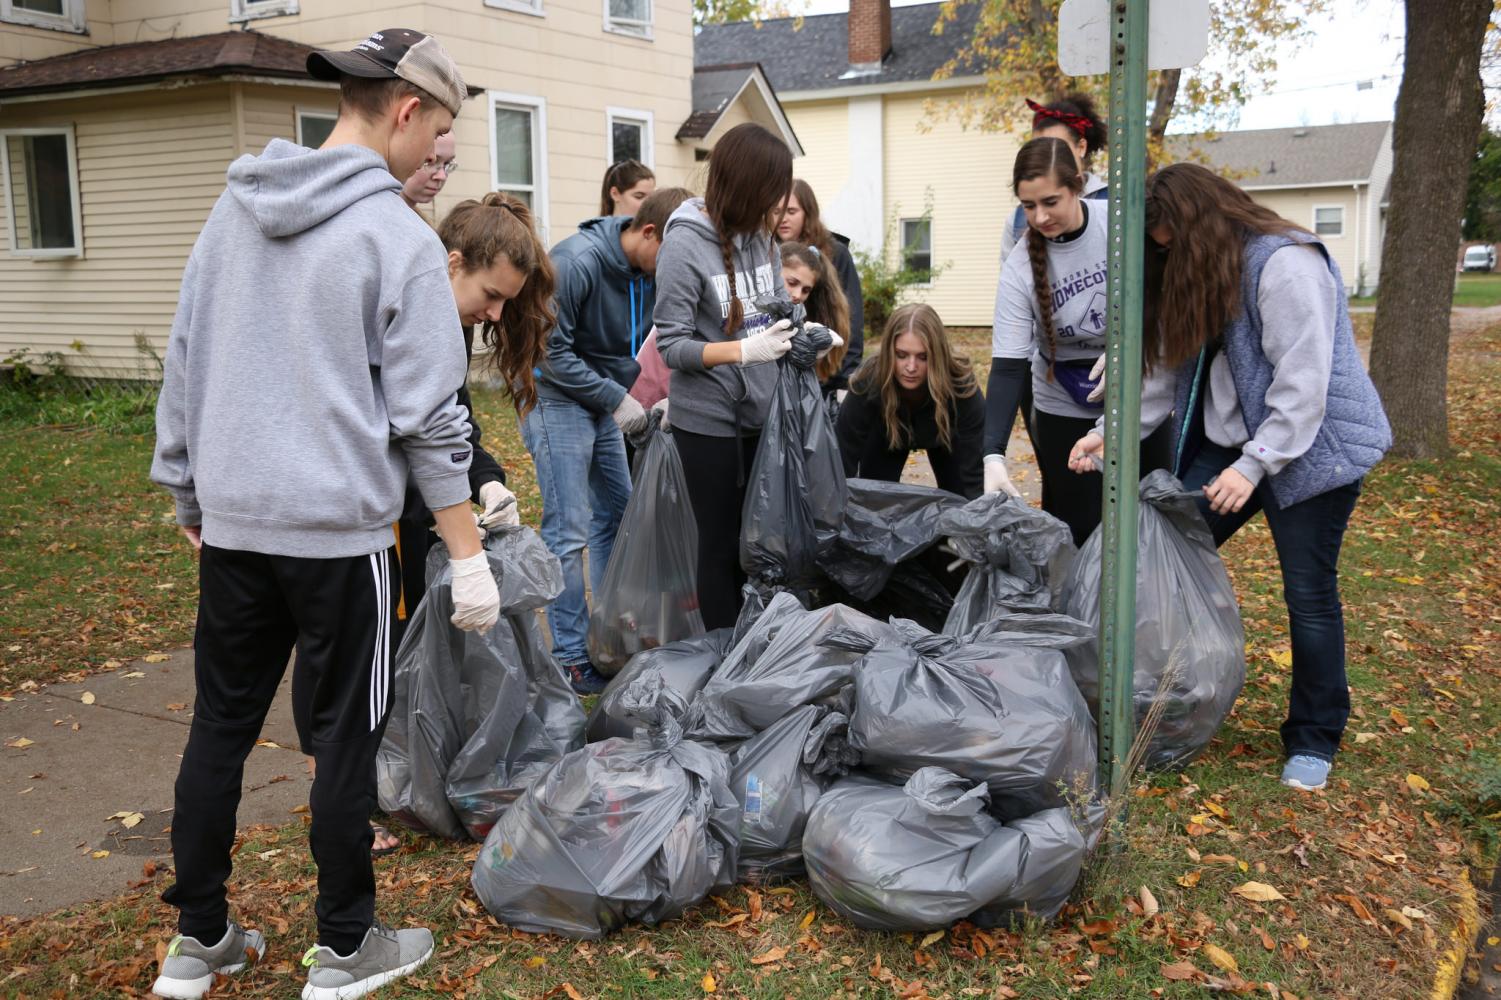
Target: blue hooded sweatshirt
[604, 313]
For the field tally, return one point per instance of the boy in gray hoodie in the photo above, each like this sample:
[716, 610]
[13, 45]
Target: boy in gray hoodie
[313, 362]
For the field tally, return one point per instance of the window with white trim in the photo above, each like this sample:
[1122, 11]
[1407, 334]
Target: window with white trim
[628, 134]
[629, 17]
[1329, 220]
[518, 150]
[250, 10]
[533, 7]
[313, 127]
[917, 246]
[59, 15]
[41, 192]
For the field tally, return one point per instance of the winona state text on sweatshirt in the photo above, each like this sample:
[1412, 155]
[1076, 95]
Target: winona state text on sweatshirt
[313, 362]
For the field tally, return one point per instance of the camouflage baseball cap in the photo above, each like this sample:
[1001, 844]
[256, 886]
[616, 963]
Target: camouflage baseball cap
[397, 53]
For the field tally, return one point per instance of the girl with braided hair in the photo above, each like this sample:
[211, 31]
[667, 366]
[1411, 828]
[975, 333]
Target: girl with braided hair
[719, 265]
[1049, 333]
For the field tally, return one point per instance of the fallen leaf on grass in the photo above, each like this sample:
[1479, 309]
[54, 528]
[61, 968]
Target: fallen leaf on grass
[1399, 918]
[1190, 879]
[1257, 892]
[1221, 958]
[87, 697]
[1365, 737]
[1217, 809]
[1301, 940]
[738, 918]
[1149, 905]
[535, 962]
[1417, 783]
[767, 957]
[806, 921]
[1414, 913]
[1181, 972]
[708, 983]
[1355, 905]
[1398, 717]
[932, 938]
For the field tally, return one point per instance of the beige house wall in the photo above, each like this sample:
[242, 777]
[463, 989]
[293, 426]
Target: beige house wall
[823, 130]
[1297, 205]
[150, 166]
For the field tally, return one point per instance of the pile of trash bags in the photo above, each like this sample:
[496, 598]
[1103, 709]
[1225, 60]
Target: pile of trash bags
[1187, 624]
[476, 716]
[649, 595]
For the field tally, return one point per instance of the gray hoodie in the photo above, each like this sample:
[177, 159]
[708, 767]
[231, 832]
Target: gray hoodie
[313, 362]
[693, 301]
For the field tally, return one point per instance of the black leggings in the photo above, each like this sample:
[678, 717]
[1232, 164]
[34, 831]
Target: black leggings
[1072, 497]
[718, 496]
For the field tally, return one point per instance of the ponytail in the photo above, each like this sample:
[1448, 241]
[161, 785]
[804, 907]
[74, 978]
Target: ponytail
[1037, 254]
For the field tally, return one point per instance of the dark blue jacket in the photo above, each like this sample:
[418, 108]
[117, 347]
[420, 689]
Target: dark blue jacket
[604, 313]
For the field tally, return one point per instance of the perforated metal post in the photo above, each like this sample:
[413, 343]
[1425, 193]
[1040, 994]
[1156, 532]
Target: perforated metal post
[1128, 156]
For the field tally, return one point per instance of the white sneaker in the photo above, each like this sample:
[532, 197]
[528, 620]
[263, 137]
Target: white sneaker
[188, 971]
[1306, 772]
[383, 957]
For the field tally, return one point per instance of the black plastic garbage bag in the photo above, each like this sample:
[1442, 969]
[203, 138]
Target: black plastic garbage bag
[795, 496]
[789, 658]
[476, 717]
[1001, 711]
[885, 524]
[923, 855]
[1019, 556]
[1186, 616]
[623, 830]
[649, 596]
[684, 666]
[777, 775]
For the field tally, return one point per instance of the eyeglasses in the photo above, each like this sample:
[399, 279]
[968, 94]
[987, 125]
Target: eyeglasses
[437, 166]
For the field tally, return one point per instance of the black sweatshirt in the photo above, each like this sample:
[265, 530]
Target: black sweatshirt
[867, 452]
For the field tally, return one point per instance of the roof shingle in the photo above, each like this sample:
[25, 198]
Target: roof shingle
[1290, 157]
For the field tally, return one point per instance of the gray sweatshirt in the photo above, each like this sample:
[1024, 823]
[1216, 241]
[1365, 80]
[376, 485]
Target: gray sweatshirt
[693, 301]
[313, 362]
[1298, 299]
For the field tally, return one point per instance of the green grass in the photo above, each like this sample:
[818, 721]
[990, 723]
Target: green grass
[1420, 581]
[1475, 290]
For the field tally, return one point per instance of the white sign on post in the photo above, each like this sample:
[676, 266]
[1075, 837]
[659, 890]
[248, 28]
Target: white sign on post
[1177, 35]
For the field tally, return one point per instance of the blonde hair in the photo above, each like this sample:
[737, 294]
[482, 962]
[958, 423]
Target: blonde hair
[949, 377]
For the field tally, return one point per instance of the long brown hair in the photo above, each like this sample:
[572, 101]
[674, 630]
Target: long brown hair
[949, 377]
[1053, 158]
[499, 225]
[1209, 219]
[622, 176]
[814, 233]
[750, 173]
[1077, 113]
[826, 303]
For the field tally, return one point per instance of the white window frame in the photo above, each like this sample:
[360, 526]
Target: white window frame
[532, 7]
[76, 250]
[318, 113]
[73, 18]
[633, 116]
[901, 235]
[1328, 236]
[538, 107]
[632, 29]
[253, 10]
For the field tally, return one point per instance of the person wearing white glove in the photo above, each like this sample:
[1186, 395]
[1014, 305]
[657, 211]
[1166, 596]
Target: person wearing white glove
[660, 406]
[500, 507]
[476, 600]
[997, 479]
[576, 434]
[718, 331]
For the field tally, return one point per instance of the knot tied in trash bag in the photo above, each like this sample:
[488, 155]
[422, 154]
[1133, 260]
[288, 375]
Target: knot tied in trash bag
[1019, 557]
[645, 703]
[807, 344]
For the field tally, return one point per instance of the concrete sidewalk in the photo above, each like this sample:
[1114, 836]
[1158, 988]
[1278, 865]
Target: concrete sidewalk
[77, 759]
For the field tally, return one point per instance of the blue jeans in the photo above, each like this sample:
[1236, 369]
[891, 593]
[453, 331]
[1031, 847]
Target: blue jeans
[585, 484]
[1308, 536]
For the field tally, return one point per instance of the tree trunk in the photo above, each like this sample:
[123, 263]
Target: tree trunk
[1438, 124]
[1162, 103]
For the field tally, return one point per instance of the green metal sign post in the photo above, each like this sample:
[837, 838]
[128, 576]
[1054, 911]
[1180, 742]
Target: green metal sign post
[1128, 165]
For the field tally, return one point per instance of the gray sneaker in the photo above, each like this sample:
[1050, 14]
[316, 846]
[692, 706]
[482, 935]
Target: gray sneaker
[189, 968]
[384, 956]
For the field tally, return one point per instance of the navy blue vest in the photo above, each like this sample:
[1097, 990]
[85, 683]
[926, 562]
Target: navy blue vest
[1354, 434]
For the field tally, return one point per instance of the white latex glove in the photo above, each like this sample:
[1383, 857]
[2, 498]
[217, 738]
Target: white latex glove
[629, 416]
[996, 479]
[500, 507]
[1097, 374]
[839, 395]
[660, 406]
[837, 342]
[768, 345]
[476, 601]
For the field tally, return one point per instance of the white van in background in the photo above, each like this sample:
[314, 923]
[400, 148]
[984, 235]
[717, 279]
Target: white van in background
[1480, 257]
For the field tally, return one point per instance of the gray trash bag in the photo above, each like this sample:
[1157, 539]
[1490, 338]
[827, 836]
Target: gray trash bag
[1019, 556]
[795, 496]
[476, 717]
[789, 658]
[923, 855]
[623, 830]
[1001, 711]
[885, 524]
[1186, 614]
[684, 666]
[777, 775]
[649, 596]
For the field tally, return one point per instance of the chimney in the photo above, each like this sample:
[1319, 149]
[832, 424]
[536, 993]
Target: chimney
[870, 34]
